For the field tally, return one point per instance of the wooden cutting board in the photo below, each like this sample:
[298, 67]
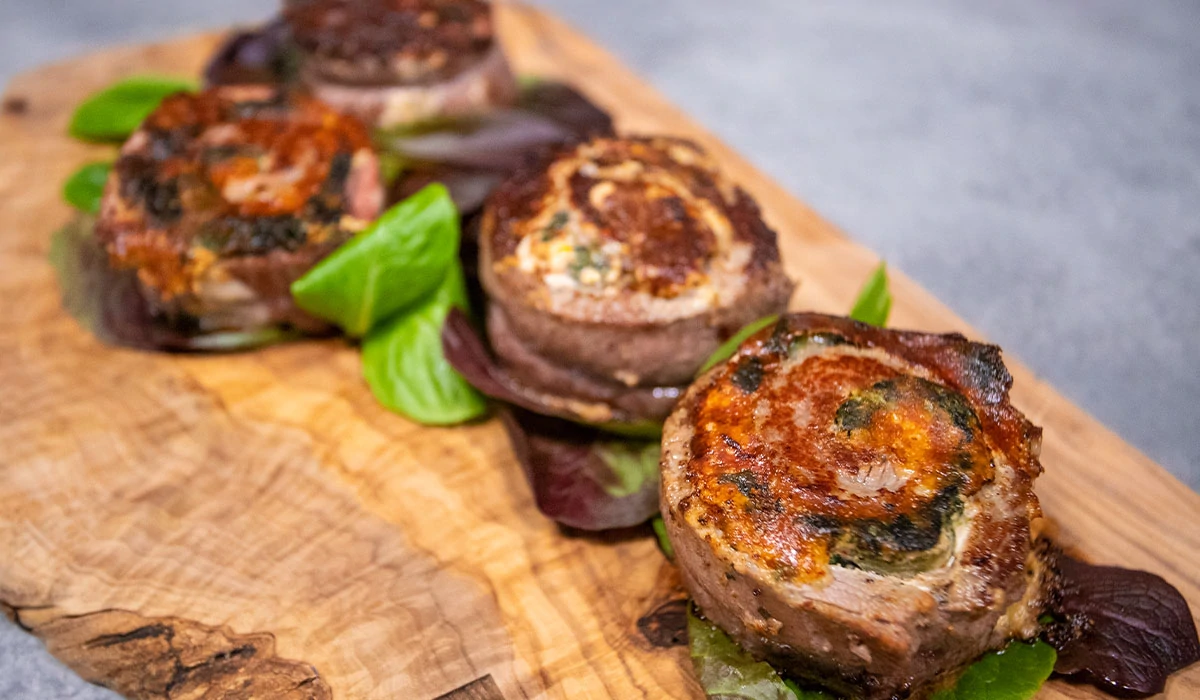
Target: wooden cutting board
[256, 525]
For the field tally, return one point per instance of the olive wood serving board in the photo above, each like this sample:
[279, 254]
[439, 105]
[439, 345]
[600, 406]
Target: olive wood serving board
[256, 525]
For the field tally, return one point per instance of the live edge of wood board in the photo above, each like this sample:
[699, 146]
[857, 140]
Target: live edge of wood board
[255, 525]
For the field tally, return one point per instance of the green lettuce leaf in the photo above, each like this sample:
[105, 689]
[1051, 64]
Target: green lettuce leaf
[404, 365]
[84, 189]
[873, 305]
[730, 346]
[1016, 672]
[396, 262]
[874, 302]
[116, 111]
[632, 462]
[726, 671]
[664, 540]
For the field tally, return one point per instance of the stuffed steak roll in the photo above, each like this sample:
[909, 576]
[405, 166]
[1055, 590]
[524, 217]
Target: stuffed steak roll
[400, 62]
[855, 504]
[616, 266]
[222, 199]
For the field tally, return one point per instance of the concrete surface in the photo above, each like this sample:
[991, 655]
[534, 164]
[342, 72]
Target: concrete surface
[1036, 165]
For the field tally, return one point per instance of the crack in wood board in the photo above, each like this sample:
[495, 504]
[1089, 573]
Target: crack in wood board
[147, 658]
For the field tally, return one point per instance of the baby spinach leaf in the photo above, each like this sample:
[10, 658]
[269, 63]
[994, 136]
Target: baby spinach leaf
[725, 670]
[116, 111]
[406, 370]
[1016, 672]
[395, 263]
[730, 346]
[84, 189]
[874, 302]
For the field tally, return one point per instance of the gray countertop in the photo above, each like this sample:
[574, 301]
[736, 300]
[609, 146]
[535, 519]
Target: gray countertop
[1035, 165]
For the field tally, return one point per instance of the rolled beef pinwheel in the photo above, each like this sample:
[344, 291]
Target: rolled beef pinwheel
[855, 504]
[222, 199]
[400, 62]
[615, 267]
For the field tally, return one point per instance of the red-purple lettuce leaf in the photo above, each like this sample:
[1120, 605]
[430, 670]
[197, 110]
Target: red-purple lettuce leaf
[474, 154]
[579, 477]
[1121, 630]
[567, 107]
[469, 187]
[546, 114]
[498, 140]
[257, 56]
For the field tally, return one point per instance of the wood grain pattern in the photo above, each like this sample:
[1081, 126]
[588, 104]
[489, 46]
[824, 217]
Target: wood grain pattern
[265, 501]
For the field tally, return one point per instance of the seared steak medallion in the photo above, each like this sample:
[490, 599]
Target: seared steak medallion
[615, 267]
[222, 199]
[855, 504]
[398, 62]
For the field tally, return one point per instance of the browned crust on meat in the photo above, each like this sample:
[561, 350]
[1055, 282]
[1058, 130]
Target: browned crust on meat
[375, 42]
[232, 175]
[661, 199]
[927, 413]
[869, 491]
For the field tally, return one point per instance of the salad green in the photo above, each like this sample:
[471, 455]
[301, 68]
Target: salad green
[113, 113]
[398, 261]
[1016, 672]
[84, 189]
[726, 670]
[730, 346]
[404, 365]
[874, 302]
[632, 462]
[664, 540]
